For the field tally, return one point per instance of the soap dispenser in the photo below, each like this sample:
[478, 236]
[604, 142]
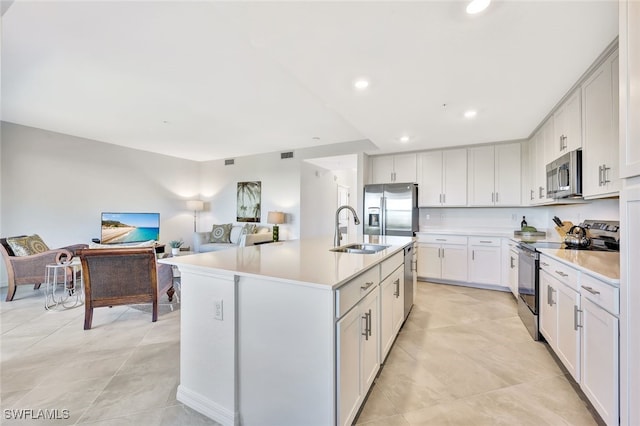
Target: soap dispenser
[523, 223]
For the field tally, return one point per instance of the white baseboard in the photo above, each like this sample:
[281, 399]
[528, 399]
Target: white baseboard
[207, 407]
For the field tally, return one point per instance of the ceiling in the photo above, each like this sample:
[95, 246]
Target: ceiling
[208, 80]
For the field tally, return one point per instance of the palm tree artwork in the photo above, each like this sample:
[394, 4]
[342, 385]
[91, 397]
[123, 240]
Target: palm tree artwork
[248, 201]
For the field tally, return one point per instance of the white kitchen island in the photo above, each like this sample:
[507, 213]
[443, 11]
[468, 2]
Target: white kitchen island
[286, 333]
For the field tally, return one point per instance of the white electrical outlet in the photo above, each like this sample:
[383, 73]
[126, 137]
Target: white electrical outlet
[513, 216]
[217, 306]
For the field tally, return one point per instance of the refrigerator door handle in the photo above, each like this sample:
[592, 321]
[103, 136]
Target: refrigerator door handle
[383, 210]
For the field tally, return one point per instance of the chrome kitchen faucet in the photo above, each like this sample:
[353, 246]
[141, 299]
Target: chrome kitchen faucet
[337, 237]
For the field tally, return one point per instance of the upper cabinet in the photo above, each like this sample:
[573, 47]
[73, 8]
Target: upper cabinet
[494, 175]
[629, 82]
[442, 178]
[600, 144]
[567, 123]
[393, 168]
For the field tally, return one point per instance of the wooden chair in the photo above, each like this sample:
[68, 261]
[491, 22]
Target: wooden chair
[122, 276]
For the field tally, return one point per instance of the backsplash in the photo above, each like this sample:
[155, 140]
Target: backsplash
[510, 217]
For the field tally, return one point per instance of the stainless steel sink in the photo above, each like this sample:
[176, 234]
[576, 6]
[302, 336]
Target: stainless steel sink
[360, 248]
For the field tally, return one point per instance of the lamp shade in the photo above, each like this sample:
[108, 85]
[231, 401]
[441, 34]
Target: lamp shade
[275, 218]
[195, 205]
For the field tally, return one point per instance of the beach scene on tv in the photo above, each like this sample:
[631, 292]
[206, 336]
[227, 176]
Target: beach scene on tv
[120, 228]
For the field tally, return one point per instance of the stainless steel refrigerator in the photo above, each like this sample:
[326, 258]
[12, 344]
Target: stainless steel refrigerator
[391, 209]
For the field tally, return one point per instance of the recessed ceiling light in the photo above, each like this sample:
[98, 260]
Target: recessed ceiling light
[470, 114]
[361, 84]
[477, 6]
[404, 139]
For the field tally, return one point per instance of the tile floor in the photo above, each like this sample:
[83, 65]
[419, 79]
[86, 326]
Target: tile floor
[462, 358]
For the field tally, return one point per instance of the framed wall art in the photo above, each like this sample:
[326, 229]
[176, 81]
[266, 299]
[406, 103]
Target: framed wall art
[248, 201]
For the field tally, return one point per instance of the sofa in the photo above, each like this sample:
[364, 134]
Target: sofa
[225, 236]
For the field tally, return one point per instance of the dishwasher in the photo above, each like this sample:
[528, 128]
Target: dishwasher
[409, 270]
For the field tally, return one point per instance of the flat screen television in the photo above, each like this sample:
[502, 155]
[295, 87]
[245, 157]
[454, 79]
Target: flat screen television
[122, 228]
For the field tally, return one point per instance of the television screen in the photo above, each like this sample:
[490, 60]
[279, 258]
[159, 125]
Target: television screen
[118, 228]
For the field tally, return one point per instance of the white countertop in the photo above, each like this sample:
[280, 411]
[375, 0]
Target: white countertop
[306, 261]
[604, 265]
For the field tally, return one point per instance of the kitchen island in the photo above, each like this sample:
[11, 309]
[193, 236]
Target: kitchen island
[287, 333]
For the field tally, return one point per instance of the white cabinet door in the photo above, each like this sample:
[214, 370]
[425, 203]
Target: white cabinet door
[454, 181]
[404, 168]
[481, 176]
[600, 365]
[369, 340]
[454, 262]
[484, 261]
[629, 98]
[392, 309]
[349, 328]
[507, 174]
[548, 315]
[382, 169]
[568, 126]
[430, 178]
[429, 264]
[600, 145]
[568, 346]
[398, 168]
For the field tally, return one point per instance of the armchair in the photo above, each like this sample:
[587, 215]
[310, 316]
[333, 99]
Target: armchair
[31, 269]
[123, 276]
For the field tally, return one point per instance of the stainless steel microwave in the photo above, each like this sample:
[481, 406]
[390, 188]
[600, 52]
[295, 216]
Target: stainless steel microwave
[564, 176]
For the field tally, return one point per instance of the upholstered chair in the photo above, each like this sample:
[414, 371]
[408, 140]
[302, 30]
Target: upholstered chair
[31, 268]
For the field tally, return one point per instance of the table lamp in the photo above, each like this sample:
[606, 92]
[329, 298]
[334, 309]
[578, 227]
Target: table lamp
[196, 206]
[275, 218]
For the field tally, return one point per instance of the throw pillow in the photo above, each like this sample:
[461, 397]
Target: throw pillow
[26, 246]
[250, 228]
[221, 233]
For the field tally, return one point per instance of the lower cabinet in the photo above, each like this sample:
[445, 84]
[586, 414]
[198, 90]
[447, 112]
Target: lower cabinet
[484, 260]
[358, 355]
[443, 257]
[582, 328]
[391, 309]
[600, 364]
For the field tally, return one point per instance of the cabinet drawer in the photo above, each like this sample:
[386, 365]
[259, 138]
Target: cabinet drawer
[350, 293]
[485, 241]
[391, 264]
[562, 272]
[600, 293]
[443, 239]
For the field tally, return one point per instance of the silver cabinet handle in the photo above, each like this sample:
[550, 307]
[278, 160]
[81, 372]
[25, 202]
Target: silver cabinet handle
[591, 290]
[497, 194]
[485, 242]
[531, 195]
[605, 174]
[562, 274]
[576, 313]
[366, 285]
[540, 190]
[551, 301]
[444, 198]
[441, 239]
[560, 142]
[369, 323]
[548, 295]
[599, 175]
[511, 260]
[397, 284]
[544, 263]
[473, 255]
[366, 326]
[493, 197]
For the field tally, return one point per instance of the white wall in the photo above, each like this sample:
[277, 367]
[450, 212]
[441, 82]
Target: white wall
[280, 190]
[510, 217]
[57, 185]
[319, 199]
